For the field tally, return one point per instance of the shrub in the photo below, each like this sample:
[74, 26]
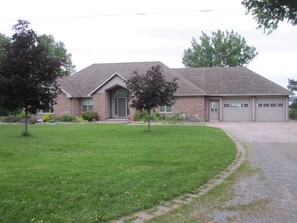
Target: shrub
[9, 119]
[293, 114]
[66, 118]
[48, 117]
[90, 116]
[79, 119]
[29, 120]
[143, 116]
[21, 115]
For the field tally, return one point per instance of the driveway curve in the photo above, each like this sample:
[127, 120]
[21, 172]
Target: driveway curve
[272, 148]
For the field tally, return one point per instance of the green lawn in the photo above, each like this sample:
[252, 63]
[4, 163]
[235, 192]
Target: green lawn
[94, 173]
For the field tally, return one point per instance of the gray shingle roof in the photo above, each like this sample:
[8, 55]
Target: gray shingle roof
[82, 83]
[231, 81]
[192, 81]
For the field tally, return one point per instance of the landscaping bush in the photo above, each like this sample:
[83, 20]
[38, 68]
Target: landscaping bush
[90, 116]
[79, 119]
[143, 116]
[30, 120]
[48, 117]
[9, 119]
[66, 118]
[293, 114]
[22, 115]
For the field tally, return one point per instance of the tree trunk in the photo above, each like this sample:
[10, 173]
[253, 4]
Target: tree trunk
[26, 133]
[149, 121]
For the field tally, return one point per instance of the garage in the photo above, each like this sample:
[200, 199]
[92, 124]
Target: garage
[237, 109]
[270, 109]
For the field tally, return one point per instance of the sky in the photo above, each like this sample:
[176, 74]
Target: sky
[111, 31]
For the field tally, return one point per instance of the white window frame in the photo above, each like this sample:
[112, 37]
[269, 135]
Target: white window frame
[165, 109]
[88, 102]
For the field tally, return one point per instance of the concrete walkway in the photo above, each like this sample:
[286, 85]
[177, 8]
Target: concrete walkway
[272, 147]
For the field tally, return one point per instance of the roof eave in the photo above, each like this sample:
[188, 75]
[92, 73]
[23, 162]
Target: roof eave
[107, 80]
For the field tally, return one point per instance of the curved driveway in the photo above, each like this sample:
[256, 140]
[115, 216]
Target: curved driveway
[271, 147]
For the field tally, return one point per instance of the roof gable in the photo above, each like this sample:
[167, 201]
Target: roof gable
[87, 81]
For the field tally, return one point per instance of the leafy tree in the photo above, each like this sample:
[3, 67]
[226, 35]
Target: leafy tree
[269, 13]
[151, 90]
[58, 50]
[222, 49]
[55, 49]
[27, 74]
[292, 85]
[3, 41]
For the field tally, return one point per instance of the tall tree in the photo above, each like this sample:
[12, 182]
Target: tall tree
[55, 49]
[222, 49]
[269, 13]
[151, 90]
[3, 41]
[27, 74]
[292, 85]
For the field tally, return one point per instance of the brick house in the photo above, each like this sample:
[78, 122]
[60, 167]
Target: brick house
[214, 94]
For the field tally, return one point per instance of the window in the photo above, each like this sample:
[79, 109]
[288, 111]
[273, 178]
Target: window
[265, 105]
[87, 104]
[259, 105]
[280, 105]
[226, 105]
[272, 105]
[43, 111]
[246, 105]
[165, 108]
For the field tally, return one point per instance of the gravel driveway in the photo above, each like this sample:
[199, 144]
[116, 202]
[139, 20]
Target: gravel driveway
[271, 147]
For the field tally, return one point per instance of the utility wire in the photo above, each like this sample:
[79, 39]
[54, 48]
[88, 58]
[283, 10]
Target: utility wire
[128, 14]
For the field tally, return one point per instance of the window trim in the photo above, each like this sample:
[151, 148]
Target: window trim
[167, 109]
[88, 102]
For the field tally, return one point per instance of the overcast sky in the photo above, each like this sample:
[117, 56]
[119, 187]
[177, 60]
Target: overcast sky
[100, 31]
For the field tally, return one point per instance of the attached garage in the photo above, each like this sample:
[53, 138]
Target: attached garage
[237, 109]
[271, 109]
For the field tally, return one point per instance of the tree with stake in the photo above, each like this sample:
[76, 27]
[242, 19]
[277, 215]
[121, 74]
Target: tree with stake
[28, 76]
[151, 90]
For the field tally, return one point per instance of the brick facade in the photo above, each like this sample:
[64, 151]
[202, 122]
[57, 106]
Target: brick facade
[71, 106]
[99, 105]
[191, 105]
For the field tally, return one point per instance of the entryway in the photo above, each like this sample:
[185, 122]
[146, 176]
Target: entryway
[214, 106]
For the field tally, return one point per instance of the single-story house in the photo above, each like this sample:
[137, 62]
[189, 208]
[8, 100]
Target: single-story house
[214, 94]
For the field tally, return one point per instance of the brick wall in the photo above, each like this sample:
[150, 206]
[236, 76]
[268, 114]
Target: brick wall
[63, 105]
[71, 106]
[99, 105]
[193, 105]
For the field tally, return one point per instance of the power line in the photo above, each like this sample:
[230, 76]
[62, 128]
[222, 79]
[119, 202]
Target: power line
[128, 14]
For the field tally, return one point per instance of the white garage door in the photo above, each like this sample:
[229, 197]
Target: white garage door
[270, 109]
[237, 109]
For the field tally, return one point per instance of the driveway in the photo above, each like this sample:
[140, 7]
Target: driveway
[272, 149]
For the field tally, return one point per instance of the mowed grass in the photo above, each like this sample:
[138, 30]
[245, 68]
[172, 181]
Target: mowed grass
[96, 173]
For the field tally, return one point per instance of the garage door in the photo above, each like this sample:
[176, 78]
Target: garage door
[270, 109]
[237, 109]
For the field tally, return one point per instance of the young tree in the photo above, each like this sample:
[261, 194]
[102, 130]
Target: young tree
[222, 49]
[269, 13]
[27, 74]
[151, 90]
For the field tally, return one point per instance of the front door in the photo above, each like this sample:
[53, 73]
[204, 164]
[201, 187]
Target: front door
[122, 109]
[213, 110]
